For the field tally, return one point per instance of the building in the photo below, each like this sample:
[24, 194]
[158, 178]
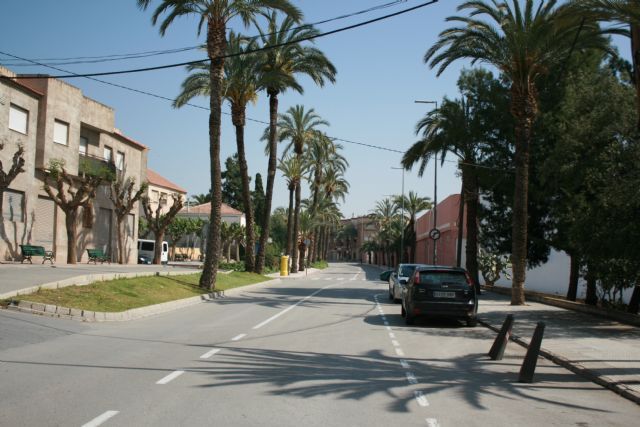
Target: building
[54, 121]
[348, 243]
[448, 212]
[161, 190]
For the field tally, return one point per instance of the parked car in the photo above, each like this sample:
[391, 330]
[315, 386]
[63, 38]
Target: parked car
[439, 291]
[398, 278]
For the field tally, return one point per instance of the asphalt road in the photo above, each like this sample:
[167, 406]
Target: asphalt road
[326, 350]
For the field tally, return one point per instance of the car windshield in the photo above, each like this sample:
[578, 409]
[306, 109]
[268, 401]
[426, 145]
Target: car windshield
[407, 270]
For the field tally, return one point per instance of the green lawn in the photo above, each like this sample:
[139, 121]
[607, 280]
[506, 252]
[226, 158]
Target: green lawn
[125, 294]
[321, 265]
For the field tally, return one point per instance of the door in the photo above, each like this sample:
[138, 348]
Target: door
[45, 224]
[102, 236]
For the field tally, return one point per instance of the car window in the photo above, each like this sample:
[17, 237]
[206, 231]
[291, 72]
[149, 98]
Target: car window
[406, 271]
[442, 277]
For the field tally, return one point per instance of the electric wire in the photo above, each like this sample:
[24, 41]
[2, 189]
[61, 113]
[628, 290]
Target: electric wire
[127, 56]
[231, 55]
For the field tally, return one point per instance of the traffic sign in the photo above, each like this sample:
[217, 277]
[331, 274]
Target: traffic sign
[434, 234]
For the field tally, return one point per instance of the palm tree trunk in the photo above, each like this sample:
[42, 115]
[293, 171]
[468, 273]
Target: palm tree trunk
[471, 195]
[216, 47]
[72, 236]
[239, 121]
[635, 54]
[460, 227]
[296, 227]
[302, 248]
[271, 177]
[574, 274]
[523, 108]
[290, 244]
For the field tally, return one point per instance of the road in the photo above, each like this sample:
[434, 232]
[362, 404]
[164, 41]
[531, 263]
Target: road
[326, 350]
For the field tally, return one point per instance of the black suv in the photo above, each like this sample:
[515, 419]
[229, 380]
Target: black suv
[440, 291]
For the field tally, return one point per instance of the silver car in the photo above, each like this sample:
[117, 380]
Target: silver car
[398, 278]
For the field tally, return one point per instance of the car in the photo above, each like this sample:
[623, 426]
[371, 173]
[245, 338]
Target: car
[440, 291]
[398, 278]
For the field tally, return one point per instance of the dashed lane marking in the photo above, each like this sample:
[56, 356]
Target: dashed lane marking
[172, 376]
[432, 422]
[420, 398]
[404, 364]
[392, 335]
[399, 352]
[411, 378]
[238, 337]
[101, 419]
[340, 278]
[395, 343]
[210, 353]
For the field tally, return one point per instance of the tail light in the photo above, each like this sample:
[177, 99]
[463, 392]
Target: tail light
[469, 280]
[416, 278]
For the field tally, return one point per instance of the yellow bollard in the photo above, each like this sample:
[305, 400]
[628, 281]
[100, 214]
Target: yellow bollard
[284, 265]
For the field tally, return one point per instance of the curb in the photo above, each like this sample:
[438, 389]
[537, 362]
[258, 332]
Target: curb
[589, 374]
[87, 279]
[124, 316]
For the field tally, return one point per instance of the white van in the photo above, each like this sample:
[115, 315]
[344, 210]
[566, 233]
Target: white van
[146, 250]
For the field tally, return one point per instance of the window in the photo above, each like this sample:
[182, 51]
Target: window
[163, 198]
[108, 154]
[84, 144]
[120, 160]
[12, 206]
[155, 196]
[18, 119]
[60, 132]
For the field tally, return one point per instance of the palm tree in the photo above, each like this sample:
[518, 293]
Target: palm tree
[240, 86]
[279, 68]
[293, 170]
[450, 130]
[413, 204]
[215, 14]
[525, 45]
[384, 215]
[298, 127]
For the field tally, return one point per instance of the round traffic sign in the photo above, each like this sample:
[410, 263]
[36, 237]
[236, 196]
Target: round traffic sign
[434, 234]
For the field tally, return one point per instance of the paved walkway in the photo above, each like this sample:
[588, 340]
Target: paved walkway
[608, 349]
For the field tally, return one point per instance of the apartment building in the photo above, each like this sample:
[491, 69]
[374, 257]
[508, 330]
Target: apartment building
[54, 121]
[161, 190]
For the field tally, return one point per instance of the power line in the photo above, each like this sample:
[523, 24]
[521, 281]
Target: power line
[127, 56]
[231, 55]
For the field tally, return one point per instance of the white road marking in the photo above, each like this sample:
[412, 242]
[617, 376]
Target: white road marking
[291, 307]
[392, 335]
[355, 277]
[329, 278]
[404, 364]
[238, 337]
[411, 378]
[172, 376]
[395, 343]
[388, 327]
[340, 278]
[101, 419]
[432, 422]
[352, 279]
[399, 352]
[210, 353]
[422, 400]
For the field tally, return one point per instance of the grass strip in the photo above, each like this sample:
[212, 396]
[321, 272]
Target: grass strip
[125, 294]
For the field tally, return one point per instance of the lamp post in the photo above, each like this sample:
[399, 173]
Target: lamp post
[435, 194]
[402, 203]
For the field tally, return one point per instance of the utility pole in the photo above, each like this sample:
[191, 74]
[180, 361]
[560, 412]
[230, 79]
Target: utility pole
[434, 234]
[402, 203]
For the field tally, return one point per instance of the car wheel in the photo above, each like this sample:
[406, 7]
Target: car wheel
[472, 323]
[408, 319]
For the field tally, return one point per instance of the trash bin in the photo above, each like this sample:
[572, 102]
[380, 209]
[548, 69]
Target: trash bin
[284, 265]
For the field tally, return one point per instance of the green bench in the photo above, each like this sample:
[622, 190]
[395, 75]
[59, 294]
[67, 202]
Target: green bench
[96, 255]
[29, 251]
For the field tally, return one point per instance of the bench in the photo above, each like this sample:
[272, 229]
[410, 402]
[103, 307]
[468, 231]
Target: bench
[96, 255]
[29, 251]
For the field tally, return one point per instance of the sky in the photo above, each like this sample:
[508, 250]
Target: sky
[380, 74]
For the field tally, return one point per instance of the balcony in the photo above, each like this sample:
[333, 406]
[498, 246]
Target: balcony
[96, 166]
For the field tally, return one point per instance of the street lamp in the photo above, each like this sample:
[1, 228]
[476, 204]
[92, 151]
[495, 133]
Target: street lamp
[434, 232]
[402, 202]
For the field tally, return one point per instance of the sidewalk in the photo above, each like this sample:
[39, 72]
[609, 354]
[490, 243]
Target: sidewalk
[605, 351]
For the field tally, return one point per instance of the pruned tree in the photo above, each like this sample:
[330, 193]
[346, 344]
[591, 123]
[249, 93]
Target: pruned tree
[72, 193]
[16, 168]
[158, 221]
[124, 198]
[181, 227]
